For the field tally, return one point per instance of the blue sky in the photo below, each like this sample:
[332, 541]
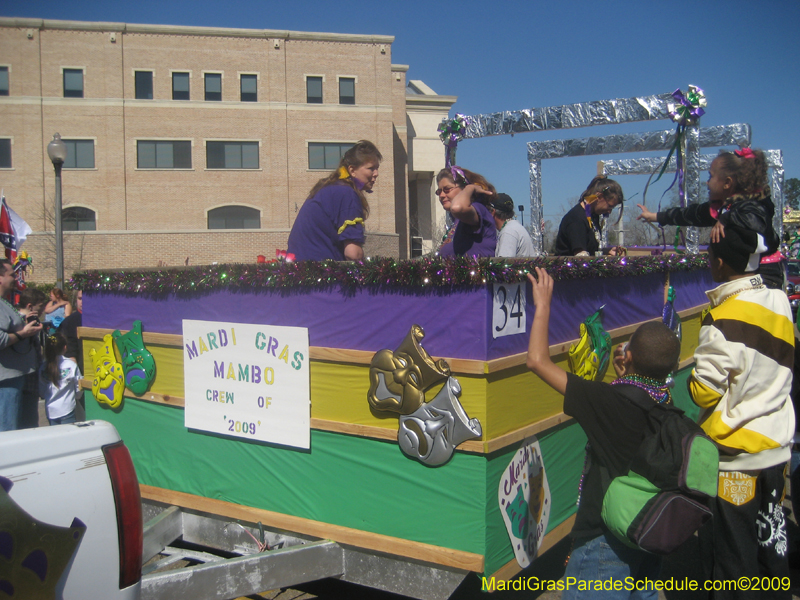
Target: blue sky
[512, 55]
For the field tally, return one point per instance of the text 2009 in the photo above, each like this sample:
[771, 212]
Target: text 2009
[241, 427]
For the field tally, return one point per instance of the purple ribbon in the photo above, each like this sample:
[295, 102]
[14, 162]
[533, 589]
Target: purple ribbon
[449, 132]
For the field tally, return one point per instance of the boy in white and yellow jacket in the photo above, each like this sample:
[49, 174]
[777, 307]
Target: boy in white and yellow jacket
[742, 380]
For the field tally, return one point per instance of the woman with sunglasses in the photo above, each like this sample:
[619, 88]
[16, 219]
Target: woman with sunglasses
[466, 196]
[580, 231]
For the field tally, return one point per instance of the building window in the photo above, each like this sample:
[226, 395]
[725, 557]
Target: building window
[232, 155]
[80, 154]
[180, 86]
[143, 84]
[213, 86]
[347, 90]
[73, 83]
[234, 217]
[78, 218]
[314, 90]
[249, 88]
[5, 153]
[163, 155]
[3, 81]
[326, 155]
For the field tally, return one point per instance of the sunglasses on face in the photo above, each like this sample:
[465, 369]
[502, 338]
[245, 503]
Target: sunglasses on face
[446, 189]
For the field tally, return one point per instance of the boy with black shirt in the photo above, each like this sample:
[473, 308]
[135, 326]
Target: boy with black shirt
[615, 427]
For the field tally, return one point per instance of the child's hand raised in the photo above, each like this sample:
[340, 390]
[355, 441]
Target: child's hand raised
[647, 215]
[542, 287]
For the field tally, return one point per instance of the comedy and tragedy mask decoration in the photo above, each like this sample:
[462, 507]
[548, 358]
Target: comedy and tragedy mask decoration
[109, 380]
[430, 433]
[399, 379]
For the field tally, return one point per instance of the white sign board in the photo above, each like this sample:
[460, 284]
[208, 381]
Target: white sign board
[524, 499]
[248, 381]
[508, 309]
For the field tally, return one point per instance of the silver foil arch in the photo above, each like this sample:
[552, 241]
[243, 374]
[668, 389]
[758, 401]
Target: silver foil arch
[567, 116]
[706, 137]
[646, 166]
[589, 114]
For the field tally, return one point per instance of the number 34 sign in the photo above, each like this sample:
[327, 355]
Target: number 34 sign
[508, 312]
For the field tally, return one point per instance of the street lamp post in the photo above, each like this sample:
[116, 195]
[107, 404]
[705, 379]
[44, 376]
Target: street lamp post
[57, 151]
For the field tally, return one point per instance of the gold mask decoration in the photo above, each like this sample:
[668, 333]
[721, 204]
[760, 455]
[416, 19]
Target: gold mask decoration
[398, 380]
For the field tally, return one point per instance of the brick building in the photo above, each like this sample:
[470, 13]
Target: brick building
[203, 142]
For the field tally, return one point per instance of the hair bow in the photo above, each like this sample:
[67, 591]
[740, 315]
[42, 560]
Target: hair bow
[744, 153]
[458, 174]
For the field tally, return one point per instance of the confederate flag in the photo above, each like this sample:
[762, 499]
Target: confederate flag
[13, 230]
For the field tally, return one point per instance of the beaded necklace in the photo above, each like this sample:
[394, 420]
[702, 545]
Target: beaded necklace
[657, 389]
[12, 307]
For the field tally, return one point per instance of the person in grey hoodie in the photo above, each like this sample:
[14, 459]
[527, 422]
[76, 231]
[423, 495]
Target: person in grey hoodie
[17, 350]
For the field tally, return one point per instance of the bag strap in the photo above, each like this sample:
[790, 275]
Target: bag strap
[641, 400]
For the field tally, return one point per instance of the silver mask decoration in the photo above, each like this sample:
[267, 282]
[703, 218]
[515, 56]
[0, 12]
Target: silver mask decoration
[432, 432]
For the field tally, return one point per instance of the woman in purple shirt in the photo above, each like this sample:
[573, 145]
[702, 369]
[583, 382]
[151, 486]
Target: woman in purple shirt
[330, 224]
[466, 195]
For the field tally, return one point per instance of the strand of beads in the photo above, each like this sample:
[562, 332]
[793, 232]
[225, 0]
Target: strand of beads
[657, 389]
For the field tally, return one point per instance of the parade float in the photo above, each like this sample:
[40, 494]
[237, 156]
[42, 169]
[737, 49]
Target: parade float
[384, 405]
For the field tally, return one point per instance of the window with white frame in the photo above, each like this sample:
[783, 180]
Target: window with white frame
[248, 85]
[73, 83]
[163, 154]
[234, 217]
[232, 155]
[80, 154]
[5, 153]
[347, 90]
[326, 155]
[3, 81]
[180, 86]
[78, 218]
[213, 83]
[143, 84]
[314, 90]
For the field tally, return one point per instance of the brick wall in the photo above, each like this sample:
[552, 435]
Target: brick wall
[146, 215]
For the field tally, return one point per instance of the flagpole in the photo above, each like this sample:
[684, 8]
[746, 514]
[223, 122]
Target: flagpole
[57, 151]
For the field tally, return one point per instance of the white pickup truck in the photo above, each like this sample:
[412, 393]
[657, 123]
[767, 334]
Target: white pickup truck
[71, 528]
[70, 514]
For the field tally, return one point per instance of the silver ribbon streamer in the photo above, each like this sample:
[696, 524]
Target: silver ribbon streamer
[584, 114]
[722, 135]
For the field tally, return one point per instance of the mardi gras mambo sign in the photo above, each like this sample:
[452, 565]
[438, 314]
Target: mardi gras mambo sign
[248, 381]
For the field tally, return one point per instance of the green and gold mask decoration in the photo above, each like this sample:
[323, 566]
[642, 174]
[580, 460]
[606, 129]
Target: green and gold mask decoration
[137, 361]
